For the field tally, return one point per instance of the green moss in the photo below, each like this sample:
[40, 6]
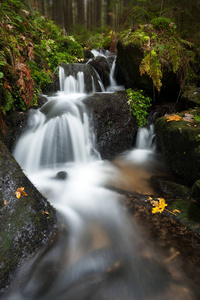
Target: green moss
[189, 213]
[162, 50]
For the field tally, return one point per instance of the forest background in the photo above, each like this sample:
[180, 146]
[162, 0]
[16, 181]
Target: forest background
[36, 35]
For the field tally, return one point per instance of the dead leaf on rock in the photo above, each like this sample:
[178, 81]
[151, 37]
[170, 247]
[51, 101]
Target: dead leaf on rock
[173, 118]
[188, 118]
[20, 192]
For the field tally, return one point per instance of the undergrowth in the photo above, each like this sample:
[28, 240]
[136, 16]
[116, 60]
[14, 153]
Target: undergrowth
[163, 49]
[139, 104]
[32, 47]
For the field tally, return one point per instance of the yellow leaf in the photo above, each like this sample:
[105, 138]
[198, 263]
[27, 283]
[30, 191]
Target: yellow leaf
[45, 212]
[20, 192]
[176, 210]
[17, 194]
[5, 202]
[173, 118]
[159, 205]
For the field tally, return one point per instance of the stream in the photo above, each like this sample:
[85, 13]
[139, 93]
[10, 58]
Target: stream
[100, 252]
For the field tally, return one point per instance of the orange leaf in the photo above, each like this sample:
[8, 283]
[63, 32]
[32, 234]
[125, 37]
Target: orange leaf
[5, 202]
[173, 118]
[20, 192]
[45, 212]
[176, 210]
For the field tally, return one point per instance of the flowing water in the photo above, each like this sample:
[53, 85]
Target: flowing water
[99, 253]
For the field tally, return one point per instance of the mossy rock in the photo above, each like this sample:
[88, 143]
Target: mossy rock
[196, 191]
[129, 59]
[169, 187]
[192, 94]
[179, 144]
[112, 123]
[24, 226]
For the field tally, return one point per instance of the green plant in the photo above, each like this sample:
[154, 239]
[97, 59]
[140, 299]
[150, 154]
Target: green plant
[139, 105]
[163, 23]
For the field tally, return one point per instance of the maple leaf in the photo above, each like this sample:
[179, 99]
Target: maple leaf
[173, 118]
[159, 205]
[20, 192]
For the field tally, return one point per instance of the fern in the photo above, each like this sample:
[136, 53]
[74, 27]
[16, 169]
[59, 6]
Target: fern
[152, 67]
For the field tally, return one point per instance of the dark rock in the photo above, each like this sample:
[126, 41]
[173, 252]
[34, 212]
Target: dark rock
[88, 53]
[196, 191]
[15, 124]
[112, 123]
[180, 147]
[89, 72]
[61, 175]
[129, 60]
[100, 64]
[25, 225]
[172, 188]
[192, 95]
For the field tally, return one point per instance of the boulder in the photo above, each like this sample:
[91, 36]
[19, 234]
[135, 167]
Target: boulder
[112, 123]
[179, 144]
[129, 58]
[90, 76]
[27, 222]
[101, 65]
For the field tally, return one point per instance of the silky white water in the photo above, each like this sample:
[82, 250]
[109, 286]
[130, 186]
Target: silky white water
[98, 252]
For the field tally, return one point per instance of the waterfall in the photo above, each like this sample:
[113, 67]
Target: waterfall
[97, 253]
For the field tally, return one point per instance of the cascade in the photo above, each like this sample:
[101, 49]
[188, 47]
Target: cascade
[97, 254]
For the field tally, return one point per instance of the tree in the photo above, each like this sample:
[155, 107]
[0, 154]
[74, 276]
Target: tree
[80, 18]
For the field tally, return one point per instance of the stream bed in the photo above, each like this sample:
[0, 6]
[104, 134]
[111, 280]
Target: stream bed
[105, 249]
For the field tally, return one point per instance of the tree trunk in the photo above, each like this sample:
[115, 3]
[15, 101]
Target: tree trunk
[80, 12]
[98, 13]
[68, 15]
[109, 13]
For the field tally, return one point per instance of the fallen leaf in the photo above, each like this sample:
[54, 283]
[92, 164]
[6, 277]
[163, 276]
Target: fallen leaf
[159, 205]
[45, 212]
[5, 202]
[20, 192]
[176, 210]
[173, 118]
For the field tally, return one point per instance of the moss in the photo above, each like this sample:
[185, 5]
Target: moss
[189, 213]
[180, 147]
[24, 228]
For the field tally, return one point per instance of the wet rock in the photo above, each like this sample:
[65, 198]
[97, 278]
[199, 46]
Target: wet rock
[89, 73]
[129, 60]
[62, 175]
[169, 187]
[196, 191]
[27, 223]
[100, 64]
[112, 123]
[88, 53]
[179, 145]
